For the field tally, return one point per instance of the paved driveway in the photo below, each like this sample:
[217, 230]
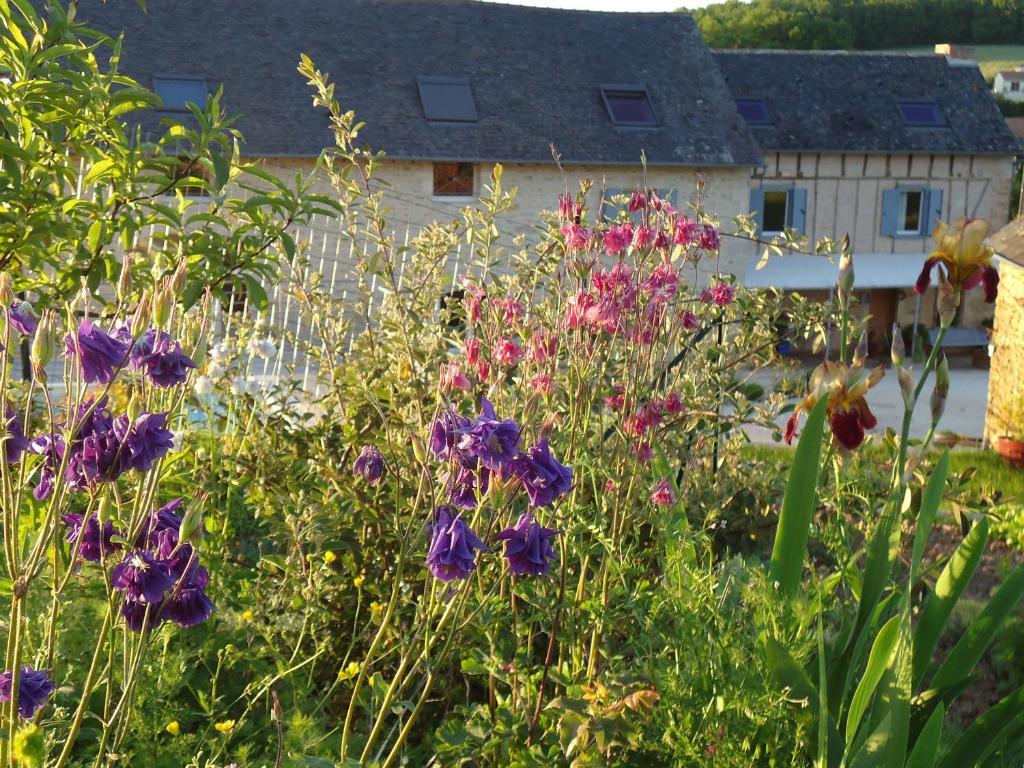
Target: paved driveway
[964, 415]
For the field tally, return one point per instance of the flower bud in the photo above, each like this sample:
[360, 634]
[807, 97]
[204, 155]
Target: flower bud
[44, 343]
[134, 409]
[906, 380]
[898, 352]
[844, 285]
[948, 302]
[103, 510]
[941, 391]
[162, 305]
[141, 319]
[6, 292]
[860, 353]
[177, 283]
[191, 528]
[124, 281]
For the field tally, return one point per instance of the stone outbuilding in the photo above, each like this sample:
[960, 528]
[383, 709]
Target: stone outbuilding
[1005, 408]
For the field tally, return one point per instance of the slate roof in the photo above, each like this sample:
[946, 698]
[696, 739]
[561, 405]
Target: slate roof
[827, 101]
[1009, 241]
[535, 75]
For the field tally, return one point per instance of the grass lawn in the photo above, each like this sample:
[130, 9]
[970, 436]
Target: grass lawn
[991, 58]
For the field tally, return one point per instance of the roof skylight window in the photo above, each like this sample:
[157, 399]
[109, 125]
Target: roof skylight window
[447, 99]
[629, 105]
[921, 113]
[178, 92]
[754, 111]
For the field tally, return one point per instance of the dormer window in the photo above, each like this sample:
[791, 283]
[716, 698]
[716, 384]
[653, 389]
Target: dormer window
[629, 105]
[447, 99]
[921, 113]
[754, 111]
[178, 92]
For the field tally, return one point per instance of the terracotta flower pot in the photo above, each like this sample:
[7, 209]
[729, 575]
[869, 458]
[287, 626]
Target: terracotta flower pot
[1012, 450]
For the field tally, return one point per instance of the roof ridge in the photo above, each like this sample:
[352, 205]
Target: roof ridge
[829, 52]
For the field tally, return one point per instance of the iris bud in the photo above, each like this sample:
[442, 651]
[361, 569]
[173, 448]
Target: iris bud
[898, 351]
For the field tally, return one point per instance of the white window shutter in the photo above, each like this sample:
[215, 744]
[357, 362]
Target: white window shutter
[890, 212]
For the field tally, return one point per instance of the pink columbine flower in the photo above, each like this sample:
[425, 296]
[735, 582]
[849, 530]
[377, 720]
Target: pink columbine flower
[511, 309]
[673, 404]
[472, 347]
[577, 238]
[709, 238]
[685, 231]
[569, 209]
[643, 237]
[577, 308]
[617, 401]
[617, 238]
[542, 346]
[507, 352]
[452, 377]
[643, 451]
[689, 320]
[474, 298]
[610, 486]
[663, 495]
[543, 383]
[637, 201]
[721, 294]
[661, 285]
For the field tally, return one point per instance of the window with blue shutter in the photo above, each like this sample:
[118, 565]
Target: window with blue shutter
[910, 211]
[776, 208]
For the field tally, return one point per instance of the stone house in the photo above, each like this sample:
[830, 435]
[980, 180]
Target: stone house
[1005, 410]
[877, 146]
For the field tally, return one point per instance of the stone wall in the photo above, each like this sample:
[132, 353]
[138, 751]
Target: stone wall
[1006, 378]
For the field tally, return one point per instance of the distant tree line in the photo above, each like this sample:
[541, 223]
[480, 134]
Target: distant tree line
[859, 24]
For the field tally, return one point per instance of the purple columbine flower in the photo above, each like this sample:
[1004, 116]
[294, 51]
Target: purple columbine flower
[160, 356]
[165, 518]
[188, 605]
[23, 318]
[143, 442]
[134, 613]
[99, 354]
[94, 459]
[466, 485]
[15, 442]
[95, 545]
[446, 433]
[453, 545]
[369, 464]
[493, 441]
[527, 548]
[542, 475]
[142, 577]
[34, 688]
[51, 448]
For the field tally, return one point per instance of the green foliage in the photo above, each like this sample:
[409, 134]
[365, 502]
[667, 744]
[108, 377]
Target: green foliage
[858, 24]
[83, 187]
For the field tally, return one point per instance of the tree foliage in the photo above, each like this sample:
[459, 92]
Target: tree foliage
[859, 24]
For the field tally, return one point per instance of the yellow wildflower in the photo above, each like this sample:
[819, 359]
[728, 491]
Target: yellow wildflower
[224, 726]
[173, 728]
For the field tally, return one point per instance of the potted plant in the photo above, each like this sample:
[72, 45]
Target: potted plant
[1010, 443]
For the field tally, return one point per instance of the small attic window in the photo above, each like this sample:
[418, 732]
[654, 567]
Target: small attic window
[921, 113]
[447, 99]
[754, 111]
[629, 105]
[178, 92]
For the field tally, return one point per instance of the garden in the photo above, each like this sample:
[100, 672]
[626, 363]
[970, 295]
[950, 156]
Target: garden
[521, 525]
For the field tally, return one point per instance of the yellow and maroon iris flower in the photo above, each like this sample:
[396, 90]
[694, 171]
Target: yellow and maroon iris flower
[962, 257]
[847, 410]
